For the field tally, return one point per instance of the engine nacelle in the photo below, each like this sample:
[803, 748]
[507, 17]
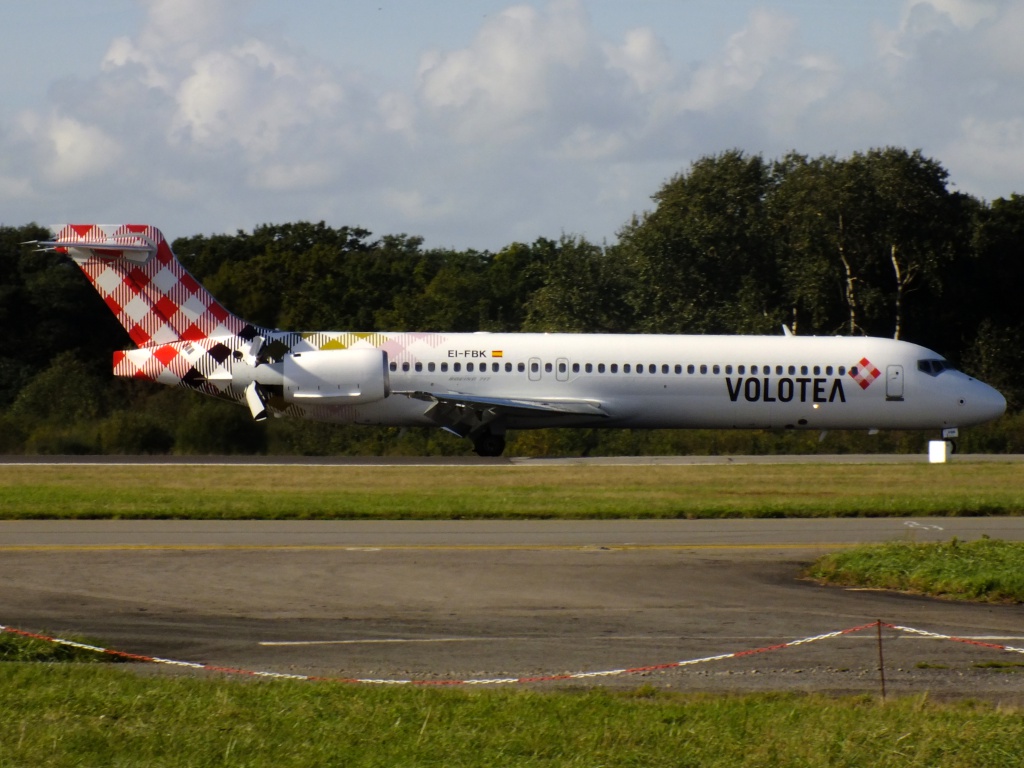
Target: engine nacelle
[336, 376]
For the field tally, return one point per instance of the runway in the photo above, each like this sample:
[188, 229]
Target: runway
[461, 599]
[471, 461]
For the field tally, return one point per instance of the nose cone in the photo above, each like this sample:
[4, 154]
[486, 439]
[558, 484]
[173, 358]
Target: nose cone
[983, 403]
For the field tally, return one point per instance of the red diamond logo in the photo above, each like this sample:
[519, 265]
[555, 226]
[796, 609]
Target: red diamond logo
[864, 373]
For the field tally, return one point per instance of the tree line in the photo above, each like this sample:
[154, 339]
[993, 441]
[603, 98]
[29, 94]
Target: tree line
[877, 243]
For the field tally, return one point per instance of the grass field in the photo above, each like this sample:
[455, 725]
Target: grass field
[985, 570]
[571, 492]
[15, 647]
[70, 715]
[100, 714]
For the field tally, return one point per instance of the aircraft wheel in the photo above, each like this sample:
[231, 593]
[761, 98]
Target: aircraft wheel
[952, 445]
[489, 444]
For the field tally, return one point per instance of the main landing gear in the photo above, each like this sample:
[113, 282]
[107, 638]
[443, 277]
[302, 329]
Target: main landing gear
[487, 443]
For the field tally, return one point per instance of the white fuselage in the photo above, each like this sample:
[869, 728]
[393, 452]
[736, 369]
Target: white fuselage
[652, 381]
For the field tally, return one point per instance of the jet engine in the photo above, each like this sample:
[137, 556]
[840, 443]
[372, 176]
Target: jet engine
[316, 377]
[337, 376]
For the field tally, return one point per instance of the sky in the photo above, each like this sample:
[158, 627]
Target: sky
[477, 123]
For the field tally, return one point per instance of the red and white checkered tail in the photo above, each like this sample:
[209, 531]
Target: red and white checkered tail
[146, 287]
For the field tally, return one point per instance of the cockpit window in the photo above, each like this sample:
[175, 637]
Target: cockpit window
[933, 367]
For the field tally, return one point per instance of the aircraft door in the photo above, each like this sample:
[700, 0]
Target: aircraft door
[562, 369]
[534, 369]
[894, 382]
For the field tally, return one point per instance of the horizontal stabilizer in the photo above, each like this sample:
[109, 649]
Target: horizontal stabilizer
[133, 269]
[107, 245]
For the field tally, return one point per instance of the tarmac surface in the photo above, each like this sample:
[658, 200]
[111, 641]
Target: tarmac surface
[480, 599]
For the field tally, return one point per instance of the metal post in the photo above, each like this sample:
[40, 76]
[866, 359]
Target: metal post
[881, 659]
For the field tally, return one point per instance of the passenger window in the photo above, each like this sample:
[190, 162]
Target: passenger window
[679, 368]
[562, 368]
[535, 367]
[393, 366]
[690, 368]
[521, 367]
[817, 370]
[842, 370]
[728, 370]
[547, 367]
[627, 369]
[652, 368]
[508, 367]
[589, 368]
[778, 370]
[431, 367]
[792, 370]
[803, 370]
[444, 367]
[600, 367]
[716, 369]
[613, 368]
[828, 370]
[575, 367]
[456, 367]
[753, 370]
[741, 369]
[703, 369]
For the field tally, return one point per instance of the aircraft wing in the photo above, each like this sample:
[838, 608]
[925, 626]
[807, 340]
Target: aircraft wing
[510, 406]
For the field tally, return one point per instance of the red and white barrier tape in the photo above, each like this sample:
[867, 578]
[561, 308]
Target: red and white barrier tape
[955, 639]
[509, 680]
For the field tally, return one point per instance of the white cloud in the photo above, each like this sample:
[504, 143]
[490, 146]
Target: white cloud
[987, 150]
[748, 56]
[644, 58]
[77, 151]
[511, 77]
[1001, 40]
[252, 96]
[532, 124]
[963, 14]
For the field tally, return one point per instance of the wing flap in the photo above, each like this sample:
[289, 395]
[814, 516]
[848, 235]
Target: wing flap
[512, 406]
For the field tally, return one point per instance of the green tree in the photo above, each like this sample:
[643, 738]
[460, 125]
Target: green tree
[911, 220]
[802, 211]
[702, 261]
[583, 291]
[287, 275]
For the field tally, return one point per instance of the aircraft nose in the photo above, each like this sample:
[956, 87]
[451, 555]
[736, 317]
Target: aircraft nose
[984, 403]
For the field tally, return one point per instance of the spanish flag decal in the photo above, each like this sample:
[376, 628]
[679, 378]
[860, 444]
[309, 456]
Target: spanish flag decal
[497, 353]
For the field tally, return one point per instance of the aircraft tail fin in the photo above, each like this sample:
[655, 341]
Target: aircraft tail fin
[142, 282]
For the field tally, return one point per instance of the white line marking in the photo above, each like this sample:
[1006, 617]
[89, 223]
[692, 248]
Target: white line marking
[979, 638]
[922, 526]
[619, 638]
[379, 641]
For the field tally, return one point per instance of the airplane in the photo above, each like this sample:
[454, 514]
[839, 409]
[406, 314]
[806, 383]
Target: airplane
[480, 385]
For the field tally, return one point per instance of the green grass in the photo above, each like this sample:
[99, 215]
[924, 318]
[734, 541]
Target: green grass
[95, 715]
[986, 570]
[16, 647]
[571, 492]
[76, 714]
